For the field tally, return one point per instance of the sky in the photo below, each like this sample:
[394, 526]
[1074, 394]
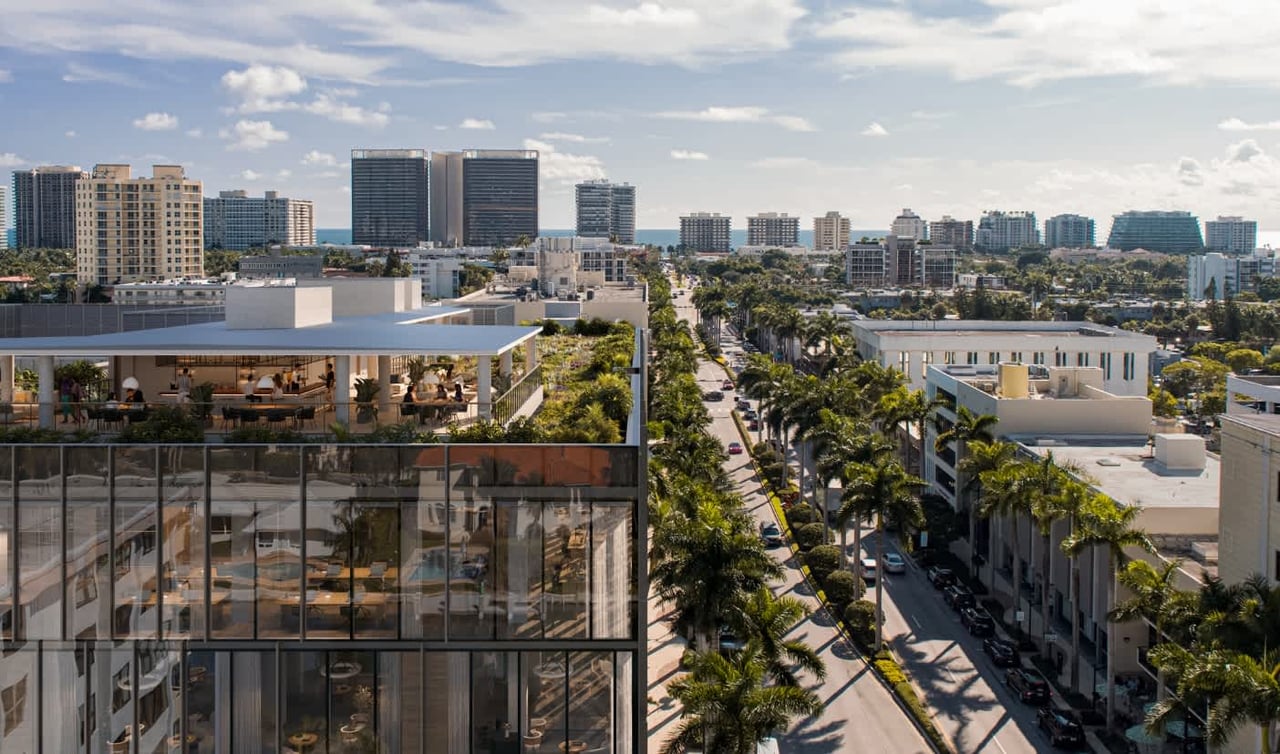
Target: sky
[732, 106]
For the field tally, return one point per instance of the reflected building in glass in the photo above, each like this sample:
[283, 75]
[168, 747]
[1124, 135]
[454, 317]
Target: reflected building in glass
[323, 597]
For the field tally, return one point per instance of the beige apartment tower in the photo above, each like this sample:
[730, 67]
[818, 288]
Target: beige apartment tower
[830, 232]
[138, 229]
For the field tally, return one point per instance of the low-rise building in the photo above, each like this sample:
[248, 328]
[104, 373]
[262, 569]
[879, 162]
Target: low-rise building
[975, 280]
[276, 264]
[185, 292]
[1219, 275]
[911, 346]
[900, 261]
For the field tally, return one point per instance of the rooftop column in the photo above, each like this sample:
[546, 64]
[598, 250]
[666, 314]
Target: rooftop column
[44, 392]
[342, 388]
[6, 378]
[505, 366]
[484, 387]
[531, 354]
[384, 387]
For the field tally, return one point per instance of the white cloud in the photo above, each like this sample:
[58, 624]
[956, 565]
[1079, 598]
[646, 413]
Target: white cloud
[264, 88]
[10, 160]
[316, 157]
[1243, 151]
[329, 106]
[573, 138]
[874, 129]
[476, 124]
[195, 133]
[1028, 42]
[283, 173]
[563, 168]
[1235, 124]
[78, 73]
[249, 175]
[156, 122]
[783, 163]
[549, 117]
[252, 135]
[716, 114]
[70, 134]
[686, 154]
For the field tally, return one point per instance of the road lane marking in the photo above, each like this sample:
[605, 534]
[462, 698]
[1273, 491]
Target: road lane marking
[996, 741]
[953, 677]
[916, 621]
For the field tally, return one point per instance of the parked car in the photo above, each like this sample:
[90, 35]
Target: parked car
[771, 535]
[977, 621]
[729, 642]
[750, 414]
[941, 577]
[742, 405]
[1003, 653]
[958, 597]
[713, 396]
[894, 563]
[1063, 727]
[726, 385]
[735, 448]
[867, 566]
[753, 425]
[1028, 685]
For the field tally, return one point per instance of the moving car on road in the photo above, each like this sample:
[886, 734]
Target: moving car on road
[713, 396]
[1002, 652]
[735, 448]
[941, 577]
[867, 566]
[1063, 727]
[977, 621]
[1028, 685]
[771, 535]
[893, 563]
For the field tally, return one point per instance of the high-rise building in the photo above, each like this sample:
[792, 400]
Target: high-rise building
[1167, 232]
[235, 220]
[705, 231]
[830, 232]
[1231, 235]
[321, 596]
[900, 262]
[499, 196]
[606, 210]
[1219, 275]
[389, 197]
[137, 229]
[4, 219]
[44, 201]
[909, 225]
[1002, 231]
[1069, 231]
[864, 265]
[446, 198]
[952, 232]
[773, 229]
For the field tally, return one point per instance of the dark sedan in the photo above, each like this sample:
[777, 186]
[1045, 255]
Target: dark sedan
[1002, 652]
[977, 621]
[1063, 727]
[1029, 686]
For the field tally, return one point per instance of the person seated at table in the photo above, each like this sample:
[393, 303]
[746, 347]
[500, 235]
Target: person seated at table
[250, 388]
[134, 395]
[409, 396]
[457, 392]
[112, 400]
[441, 393]
[277, 386]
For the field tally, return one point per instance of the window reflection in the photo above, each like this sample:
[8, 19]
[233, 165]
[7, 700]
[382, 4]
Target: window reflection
[183, 556]
[134, 546]
[88, 584]
[40, 544]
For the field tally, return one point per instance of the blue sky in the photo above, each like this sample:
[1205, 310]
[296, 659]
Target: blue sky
[736, 106]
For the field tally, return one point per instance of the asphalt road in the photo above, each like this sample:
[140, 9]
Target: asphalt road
[961, 686]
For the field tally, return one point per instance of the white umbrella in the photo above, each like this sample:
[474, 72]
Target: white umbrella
[267, 382]
[130, 383]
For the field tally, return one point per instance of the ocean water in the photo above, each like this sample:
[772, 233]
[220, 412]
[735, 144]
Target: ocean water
[656, 236]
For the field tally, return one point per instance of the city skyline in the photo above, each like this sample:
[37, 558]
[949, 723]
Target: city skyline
[724, 100]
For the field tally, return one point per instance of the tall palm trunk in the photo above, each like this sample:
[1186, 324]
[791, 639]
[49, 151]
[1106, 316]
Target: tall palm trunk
[879, 581]
[1075, 622]
[1111, 644]
[1016, 577]
[1044, 580]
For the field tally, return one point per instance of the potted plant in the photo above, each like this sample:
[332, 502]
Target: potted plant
[417, 367]
[366, 394]
[202, 402]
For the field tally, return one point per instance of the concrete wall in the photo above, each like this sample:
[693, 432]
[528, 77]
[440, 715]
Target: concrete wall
[634, 311]
[278, 307]
[356, 297]
[1249, 516]
[1060, 416]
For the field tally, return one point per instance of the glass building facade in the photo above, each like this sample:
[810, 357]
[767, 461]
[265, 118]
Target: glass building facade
[321, 598]
[1167, 232]
[499, 196]
[389, 197]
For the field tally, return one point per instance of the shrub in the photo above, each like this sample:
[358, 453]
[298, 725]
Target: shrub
[164, 424]
[842, 588]
[263, 435]
[822, 560]
[890, 670]
[765, 453]
[802, 514]
[808, 536]
[772, 472]
[860, 619]
[902, 687]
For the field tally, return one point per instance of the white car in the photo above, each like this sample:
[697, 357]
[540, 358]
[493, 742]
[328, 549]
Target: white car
[868, 568]
[894, 563]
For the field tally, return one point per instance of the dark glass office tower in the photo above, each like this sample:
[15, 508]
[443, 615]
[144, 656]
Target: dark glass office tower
[44, 201]
[389, 197]
[1167, 232]
[499, 196]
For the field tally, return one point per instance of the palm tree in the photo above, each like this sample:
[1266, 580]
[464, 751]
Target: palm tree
[861, 449]
[1103, 523]
[727, 707]
[1046, 479]
[1071, 501]
[913, 407]
[765, 382]
[883, 489]
[766, 619]
[708, 562]
[980, 456]
[967, 428]
[1155, 598]
[1240, 690]
[1006, 493]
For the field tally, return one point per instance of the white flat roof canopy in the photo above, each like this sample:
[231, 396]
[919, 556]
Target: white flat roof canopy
[394, 333]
